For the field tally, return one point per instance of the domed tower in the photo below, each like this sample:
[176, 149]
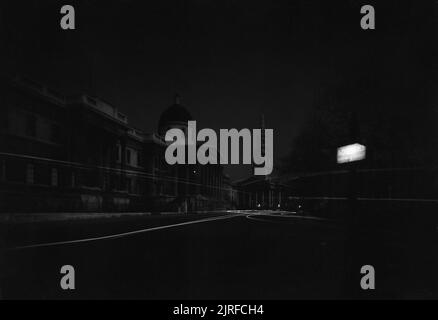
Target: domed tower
[175, 116]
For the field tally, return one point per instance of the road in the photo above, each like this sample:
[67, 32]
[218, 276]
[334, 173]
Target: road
[211, 256]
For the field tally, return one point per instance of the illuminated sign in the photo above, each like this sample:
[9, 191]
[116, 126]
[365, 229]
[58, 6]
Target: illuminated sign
[350, 153]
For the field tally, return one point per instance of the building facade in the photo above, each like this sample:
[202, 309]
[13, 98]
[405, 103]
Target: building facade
[81, 154]
[260, 193]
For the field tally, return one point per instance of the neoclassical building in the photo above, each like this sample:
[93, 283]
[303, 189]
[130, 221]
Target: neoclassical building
[81, 154]
[199, 187]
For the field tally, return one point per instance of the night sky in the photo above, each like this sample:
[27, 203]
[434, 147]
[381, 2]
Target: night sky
[229, 60]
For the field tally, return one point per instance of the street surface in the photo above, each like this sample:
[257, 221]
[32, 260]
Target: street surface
[234, 255]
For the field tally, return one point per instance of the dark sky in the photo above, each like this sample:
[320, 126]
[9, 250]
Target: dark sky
[229, 60]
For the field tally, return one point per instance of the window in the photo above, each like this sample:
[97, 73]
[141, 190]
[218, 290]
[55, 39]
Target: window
[30, 174]
[41, 174]
[118, 153]
[4, 118]
[128, 156]
[31, 125]
[54, 177]
[55, 133]
[139, 159]
[134, 158]
[3, 171]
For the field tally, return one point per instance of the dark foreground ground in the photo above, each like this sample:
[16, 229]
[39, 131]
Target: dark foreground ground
[240, 257]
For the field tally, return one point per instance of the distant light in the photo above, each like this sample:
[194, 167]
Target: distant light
[352, 152]
[258, 205]
[194, 171]
[278, 206]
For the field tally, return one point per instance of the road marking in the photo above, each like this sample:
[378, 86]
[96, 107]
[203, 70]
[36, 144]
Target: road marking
[124, 234]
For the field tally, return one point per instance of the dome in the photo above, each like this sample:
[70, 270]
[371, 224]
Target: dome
[174, 116]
